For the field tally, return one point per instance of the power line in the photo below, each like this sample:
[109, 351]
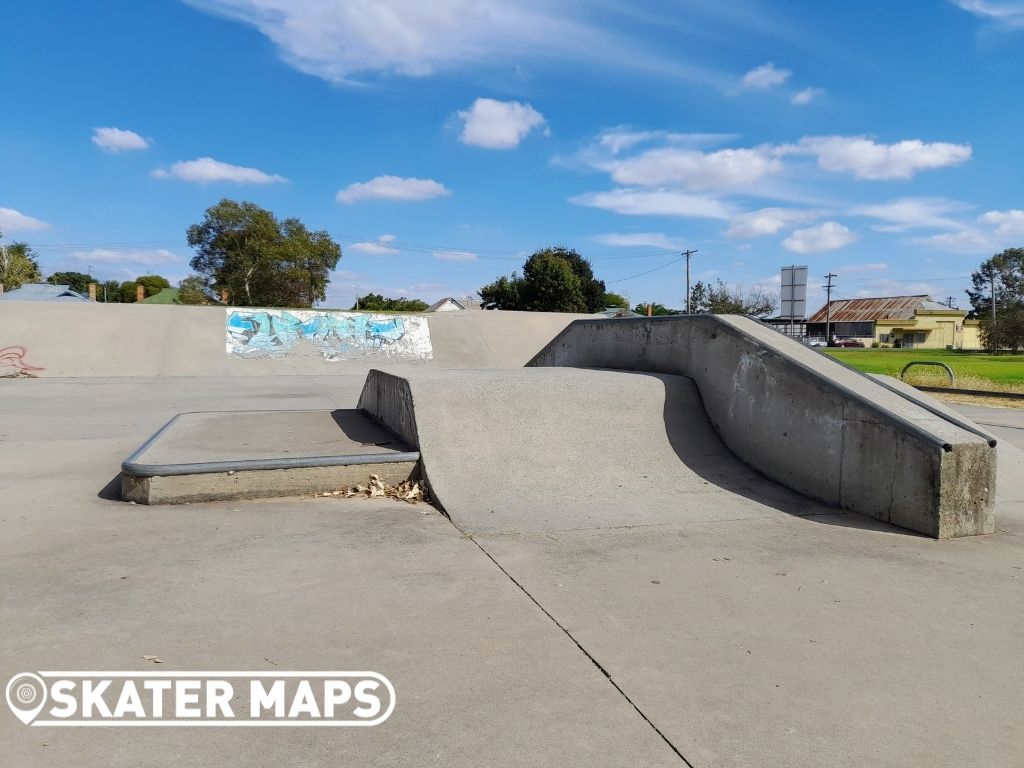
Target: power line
[641, 274]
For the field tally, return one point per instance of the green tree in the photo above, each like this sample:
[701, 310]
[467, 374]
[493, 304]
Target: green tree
[657, 310]
[192, 290]
[18, 265]
[127, 292]
[374, 302]
[76, 281]
[722, 299]
[1002, 274]
[153, 284]
[110, 292]
[593, 290]
[503, 293]
[554, 279]
[615, 300]
[259, 260]
[551, 285]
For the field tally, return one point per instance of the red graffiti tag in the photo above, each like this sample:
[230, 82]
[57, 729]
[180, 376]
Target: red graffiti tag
[12, 363]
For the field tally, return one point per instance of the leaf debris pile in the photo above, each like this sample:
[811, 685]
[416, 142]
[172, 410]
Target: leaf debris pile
[411, 491]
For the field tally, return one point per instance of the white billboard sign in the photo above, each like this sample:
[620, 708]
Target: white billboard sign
[794, 293]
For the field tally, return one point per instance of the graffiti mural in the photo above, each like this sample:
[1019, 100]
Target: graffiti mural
[261, 333]
[13, 365]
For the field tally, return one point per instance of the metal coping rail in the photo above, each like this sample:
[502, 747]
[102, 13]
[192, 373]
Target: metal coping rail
[131, 465]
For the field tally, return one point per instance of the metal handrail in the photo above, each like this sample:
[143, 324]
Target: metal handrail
[952, 376]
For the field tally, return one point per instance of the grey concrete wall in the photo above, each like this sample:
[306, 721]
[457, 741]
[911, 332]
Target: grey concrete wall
[78, 339]
[805, 420]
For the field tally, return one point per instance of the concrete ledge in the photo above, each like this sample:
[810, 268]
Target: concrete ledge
[257, 484]
[807, 421]
[217, 455]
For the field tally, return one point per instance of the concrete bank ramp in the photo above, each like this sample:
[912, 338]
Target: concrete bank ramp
[542, 449]
[808, 421]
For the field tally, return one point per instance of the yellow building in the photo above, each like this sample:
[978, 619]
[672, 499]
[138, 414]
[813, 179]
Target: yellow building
[909, 322]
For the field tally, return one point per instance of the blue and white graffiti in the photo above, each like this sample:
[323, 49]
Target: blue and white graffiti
[334, 335]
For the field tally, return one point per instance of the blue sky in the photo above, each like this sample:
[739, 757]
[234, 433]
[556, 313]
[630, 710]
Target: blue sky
[442, 142]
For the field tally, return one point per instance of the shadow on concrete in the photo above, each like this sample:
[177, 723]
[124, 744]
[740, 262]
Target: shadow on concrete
[112, 490]
[699, 447]
[360, 428]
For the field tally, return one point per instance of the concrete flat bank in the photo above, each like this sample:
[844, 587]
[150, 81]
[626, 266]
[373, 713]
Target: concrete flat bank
[807, 421]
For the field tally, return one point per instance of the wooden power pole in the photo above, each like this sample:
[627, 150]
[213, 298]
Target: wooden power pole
[688, 253]
[828, 308]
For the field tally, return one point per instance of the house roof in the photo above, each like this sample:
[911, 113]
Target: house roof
[165, 296]
[882, 308]
[617, 312]
[464, 303]
[42, 292]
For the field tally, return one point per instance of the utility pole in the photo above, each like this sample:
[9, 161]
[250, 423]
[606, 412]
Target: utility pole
[688, 253]
[992, 286]
[828, 309]
[949, 302]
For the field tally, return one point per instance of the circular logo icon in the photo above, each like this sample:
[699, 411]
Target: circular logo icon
[26, 696]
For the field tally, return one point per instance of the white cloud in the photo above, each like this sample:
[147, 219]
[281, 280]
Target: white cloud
[965, 241]
[1007, 12]
[877, 266]
[1007, 223]
[15, 221]
[867, 159]
[827, 236]
[616, 140]
[913, 213]
[374, 249]
[806, 96]
[659, 202]
[767, 221]
[381, 247]
[694, 170]
[640, 240]
[206, 170]
[455, 255]
[146, 257]
[765, 76]
[498, 124]
[118, 140]
[392, 188]
[343, 41]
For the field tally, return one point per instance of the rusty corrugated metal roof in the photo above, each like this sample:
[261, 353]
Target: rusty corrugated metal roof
[862, 310]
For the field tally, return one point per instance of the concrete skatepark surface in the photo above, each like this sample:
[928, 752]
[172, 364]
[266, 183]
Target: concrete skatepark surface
[539, 449]
[761, 630]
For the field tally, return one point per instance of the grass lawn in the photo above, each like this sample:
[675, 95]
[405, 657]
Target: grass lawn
[1006, 370]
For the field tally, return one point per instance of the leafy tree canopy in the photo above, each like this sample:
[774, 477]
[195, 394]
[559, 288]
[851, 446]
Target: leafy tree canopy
[192, 290]
[374, 302]
[153, 284]
[1004, 273]
[1006, 270]
[76, 281]
[556, 279]
[260, 260]
[18, 265]
[615, 300]
[656, 309]
[722, 299]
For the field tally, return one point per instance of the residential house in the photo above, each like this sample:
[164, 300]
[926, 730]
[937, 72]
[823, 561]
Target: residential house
[42, 292]
[910, 322]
